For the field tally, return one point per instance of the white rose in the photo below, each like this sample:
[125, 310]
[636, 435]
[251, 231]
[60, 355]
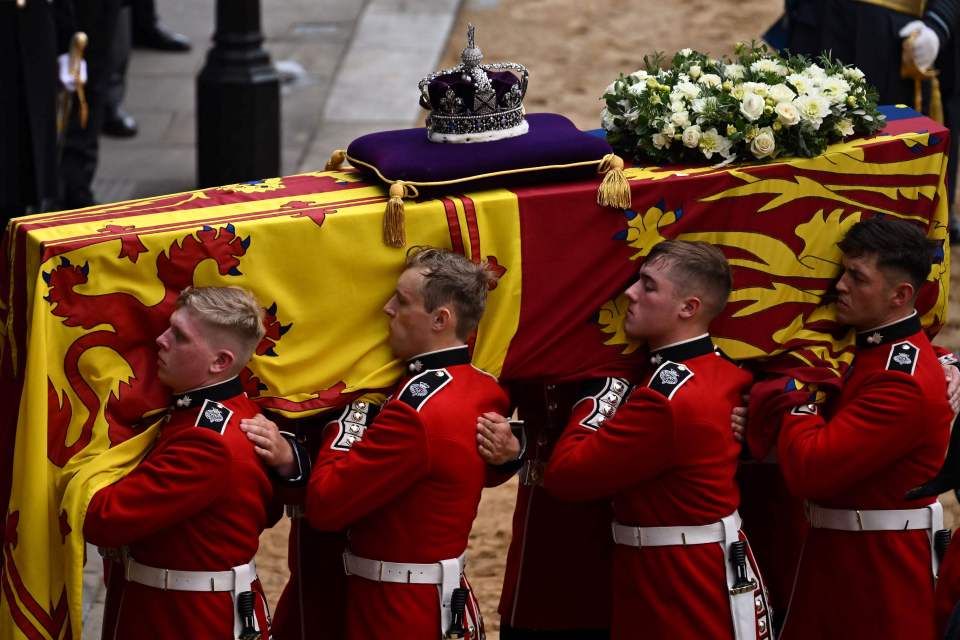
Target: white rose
[691, 136]
[844, 127]
[677, 104]
[781, 93]
[734, 71]
[763, 144]
[685, 52]
[711, 80]
[813, 109]
[687, 90]
[660, 141]
[787, 114]
[752, 106]
[695, 71]
[680, 119]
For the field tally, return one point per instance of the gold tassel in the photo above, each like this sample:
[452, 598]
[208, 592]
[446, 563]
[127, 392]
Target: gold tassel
[394, 233]
[936, 100]
[336, 160]
[614, 190]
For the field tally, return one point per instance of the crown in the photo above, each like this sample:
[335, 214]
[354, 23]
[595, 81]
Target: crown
[474, 102]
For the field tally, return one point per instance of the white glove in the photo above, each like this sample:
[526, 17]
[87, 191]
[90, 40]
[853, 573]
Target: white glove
[925, 46]
[66, 78]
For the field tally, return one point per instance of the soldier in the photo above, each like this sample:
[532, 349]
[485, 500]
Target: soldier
[34, 41]
[867, 569]
[406, 485]
[189, 517]
[665, 453]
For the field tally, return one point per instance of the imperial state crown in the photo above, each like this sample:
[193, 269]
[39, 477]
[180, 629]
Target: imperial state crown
[474, 102]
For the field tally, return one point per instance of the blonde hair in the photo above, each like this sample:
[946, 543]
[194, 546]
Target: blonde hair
[233, 310]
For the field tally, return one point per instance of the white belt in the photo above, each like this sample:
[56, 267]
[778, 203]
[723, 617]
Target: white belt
[929, 518]
[748, 607]
[669, 536]
[176, 580]
[402, 572]
[445, 574]
[236, 581]
[872, 519]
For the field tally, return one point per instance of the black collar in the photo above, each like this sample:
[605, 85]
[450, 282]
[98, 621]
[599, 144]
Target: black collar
[438, 359]
[889, 333]
[220, 391]
[683, 351]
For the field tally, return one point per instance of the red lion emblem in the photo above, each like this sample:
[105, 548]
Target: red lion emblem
[131, 330]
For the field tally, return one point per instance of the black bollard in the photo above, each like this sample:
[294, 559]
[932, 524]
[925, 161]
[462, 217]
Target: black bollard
[238, 101]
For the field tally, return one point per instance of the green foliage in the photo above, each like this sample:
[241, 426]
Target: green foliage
[758, 106]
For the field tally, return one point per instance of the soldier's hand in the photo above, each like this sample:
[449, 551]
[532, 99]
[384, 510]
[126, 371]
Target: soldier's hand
[67, 79]
[495, 440]
[738, 420]
[925, 46]
[269, 444]
[952, 374]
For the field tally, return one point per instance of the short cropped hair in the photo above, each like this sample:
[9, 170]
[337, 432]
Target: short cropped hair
[233, 310]
[450, 278]
[898, 245]
[699, 269]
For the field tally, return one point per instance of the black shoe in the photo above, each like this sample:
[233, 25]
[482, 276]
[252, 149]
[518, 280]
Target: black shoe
[119, 124]
[161, 39]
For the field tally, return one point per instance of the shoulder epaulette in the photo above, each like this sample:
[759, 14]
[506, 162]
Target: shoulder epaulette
[669, 377]
[423, 387]
[606, 394]
[213, 416]
[949, 359]
[353, 423]
[903, 357]
[809, 409]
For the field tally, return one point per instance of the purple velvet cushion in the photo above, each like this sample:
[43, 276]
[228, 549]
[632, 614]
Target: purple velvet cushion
[553, 149]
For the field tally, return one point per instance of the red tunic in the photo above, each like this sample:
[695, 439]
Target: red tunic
[886, 433]
[545, 587]
[666, 461]
[408, 490]
[197, 502]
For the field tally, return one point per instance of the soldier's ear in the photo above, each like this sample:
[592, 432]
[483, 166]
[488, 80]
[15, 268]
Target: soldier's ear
[903, 294]
[443, 318]
[223, 361]
[690, 306]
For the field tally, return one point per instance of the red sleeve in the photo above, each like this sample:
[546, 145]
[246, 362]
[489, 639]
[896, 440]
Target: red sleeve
[170, 485]
[345, 486]
[637, 443]
[822, 458]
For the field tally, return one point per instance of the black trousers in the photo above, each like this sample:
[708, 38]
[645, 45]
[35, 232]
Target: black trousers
[81, 145]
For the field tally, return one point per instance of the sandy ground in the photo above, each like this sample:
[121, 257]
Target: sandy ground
[573, 49]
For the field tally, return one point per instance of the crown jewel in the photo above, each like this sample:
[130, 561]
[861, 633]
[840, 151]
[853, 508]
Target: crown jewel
[474, 102]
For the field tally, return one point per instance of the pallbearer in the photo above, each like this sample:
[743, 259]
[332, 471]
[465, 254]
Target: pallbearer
[664, 451]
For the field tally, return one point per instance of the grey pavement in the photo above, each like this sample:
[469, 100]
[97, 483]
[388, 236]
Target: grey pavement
[350, 67]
